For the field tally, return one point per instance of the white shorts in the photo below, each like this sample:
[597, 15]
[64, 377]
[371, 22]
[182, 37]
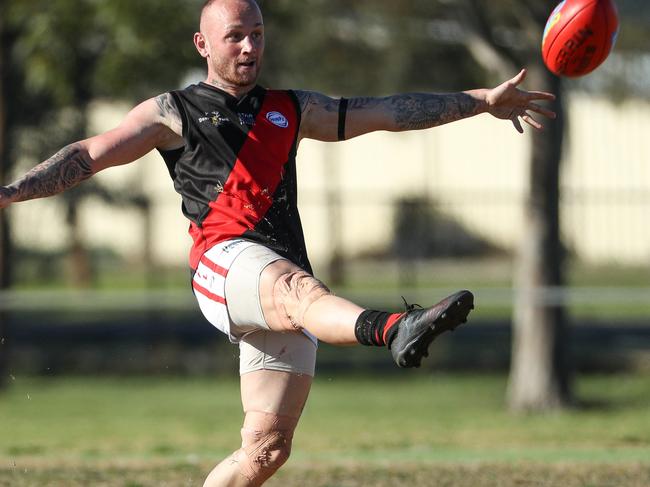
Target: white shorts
[226, 286]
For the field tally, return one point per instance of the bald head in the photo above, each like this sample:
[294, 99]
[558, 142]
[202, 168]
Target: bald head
[210, 5]
[231, 39]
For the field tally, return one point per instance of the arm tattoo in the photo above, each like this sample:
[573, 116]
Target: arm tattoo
[303, 99]
[168, 111]
[310, 99]
[63, 170]
[361, 103]
[421, 111]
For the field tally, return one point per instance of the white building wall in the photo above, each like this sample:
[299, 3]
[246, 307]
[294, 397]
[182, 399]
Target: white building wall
[475, 170]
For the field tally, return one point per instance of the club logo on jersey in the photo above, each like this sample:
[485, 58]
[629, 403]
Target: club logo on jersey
[277, 119]
[218, 119]
[246, 119]
[215, 118]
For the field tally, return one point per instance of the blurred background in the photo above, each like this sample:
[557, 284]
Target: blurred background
[549, 229]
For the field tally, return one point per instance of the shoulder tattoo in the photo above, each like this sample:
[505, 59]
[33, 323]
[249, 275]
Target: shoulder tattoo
[310, 99]
[169, 111]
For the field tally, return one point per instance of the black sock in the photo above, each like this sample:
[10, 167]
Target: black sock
[376, 328]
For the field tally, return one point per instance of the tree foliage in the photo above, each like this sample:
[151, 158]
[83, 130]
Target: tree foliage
[364, 47]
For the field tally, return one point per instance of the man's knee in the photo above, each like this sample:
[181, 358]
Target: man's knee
[293, 294]
[266, 444]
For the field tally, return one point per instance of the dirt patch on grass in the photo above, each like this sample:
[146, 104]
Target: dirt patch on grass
[422, 475]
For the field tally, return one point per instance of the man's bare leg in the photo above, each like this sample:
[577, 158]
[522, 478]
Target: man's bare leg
[273, 402]
[330, 318]
[292, 300]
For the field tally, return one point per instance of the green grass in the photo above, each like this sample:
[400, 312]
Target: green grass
[355, 431]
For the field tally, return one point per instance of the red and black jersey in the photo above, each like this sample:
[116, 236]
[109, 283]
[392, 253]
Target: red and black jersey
[237, 170]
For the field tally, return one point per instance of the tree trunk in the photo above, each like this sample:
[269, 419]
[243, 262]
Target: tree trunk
[336, 263]
[79, 261]
[539, 375]
[5, 275]
[80, 266]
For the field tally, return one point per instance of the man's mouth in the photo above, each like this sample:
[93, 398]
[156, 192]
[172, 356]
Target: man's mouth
[247, 64]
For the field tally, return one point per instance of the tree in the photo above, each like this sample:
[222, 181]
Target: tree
[540, 373]
[72, 53]
[4, 225]
[57, 56]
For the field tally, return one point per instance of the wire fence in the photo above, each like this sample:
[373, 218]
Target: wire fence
[81, 301]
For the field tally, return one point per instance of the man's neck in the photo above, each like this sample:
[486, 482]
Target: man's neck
[236, 91]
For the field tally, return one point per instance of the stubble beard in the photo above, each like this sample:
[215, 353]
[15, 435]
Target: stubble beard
[226, 74]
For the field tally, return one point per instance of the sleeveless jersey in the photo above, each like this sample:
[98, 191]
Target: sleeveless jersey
[237, 171]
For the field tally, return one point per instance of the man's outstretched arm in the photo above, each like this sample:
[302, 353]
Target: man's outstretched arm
[151, 124]
[321, 115]
[65, 169]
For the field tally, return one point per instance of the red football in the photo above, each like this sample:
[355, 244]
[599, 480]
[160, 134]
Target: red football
[579, 36]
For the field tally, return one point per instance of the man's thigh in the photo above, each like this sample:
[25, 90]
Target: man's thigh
[227, 286]
[291, 352]
[275, 392]
[244, 291]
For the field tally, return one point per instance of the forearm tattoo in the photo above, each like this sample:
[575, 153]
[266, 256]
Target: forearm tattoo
[398, 112]
[63, 170]
[421, 111]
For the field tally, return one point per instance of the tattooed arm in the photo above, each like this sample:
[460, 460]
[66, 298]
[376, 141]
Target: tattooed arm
[415, 111]
[153, 123]
[63, 170]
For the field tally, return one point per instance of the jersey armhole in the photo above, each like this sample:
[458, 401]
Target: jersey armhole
[296, 103]
[181, 110]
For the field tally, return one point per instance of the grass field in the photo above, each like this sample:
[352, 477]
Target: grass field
[413, 429]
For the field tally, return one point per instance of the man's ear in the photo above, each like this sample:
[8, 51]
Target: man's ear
[201, 44]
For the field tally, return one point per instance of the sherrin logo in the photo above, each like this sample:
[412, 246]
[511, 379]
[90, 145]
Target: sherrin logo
[277, 119]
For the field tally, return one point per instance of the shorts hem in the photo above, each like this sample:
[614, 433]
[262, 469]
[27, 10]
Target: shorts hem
[278, 368]
[259, 300]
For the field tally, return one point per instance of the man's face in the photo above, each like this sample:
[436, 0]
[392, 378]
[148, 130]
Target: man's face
[233, 42]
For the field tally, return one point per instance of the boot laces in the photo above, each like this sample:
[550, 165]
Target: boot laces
[410, 307]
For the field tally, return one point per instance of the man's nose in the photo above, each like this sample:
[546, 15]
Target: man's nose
[248, 45]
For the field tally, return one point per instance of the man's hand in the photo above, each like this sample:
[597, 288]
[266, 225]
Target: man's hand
[6, 196]
[508, 102]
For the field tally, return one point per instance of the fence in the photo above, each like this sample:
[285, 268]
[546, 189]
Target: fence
[473, 173]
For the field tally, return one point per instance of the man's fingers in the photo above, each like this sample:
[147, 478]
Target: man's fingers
[517, 80]
[541, 110]
[540, 95]
[532, 122]
[517, 124]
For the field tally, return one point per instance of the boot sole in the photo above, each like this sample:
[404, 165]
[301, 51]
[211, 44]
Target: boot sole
[451, 318]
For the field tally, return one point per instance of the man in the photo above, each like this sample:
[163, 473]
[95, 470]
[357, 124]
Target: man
[230, 148]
